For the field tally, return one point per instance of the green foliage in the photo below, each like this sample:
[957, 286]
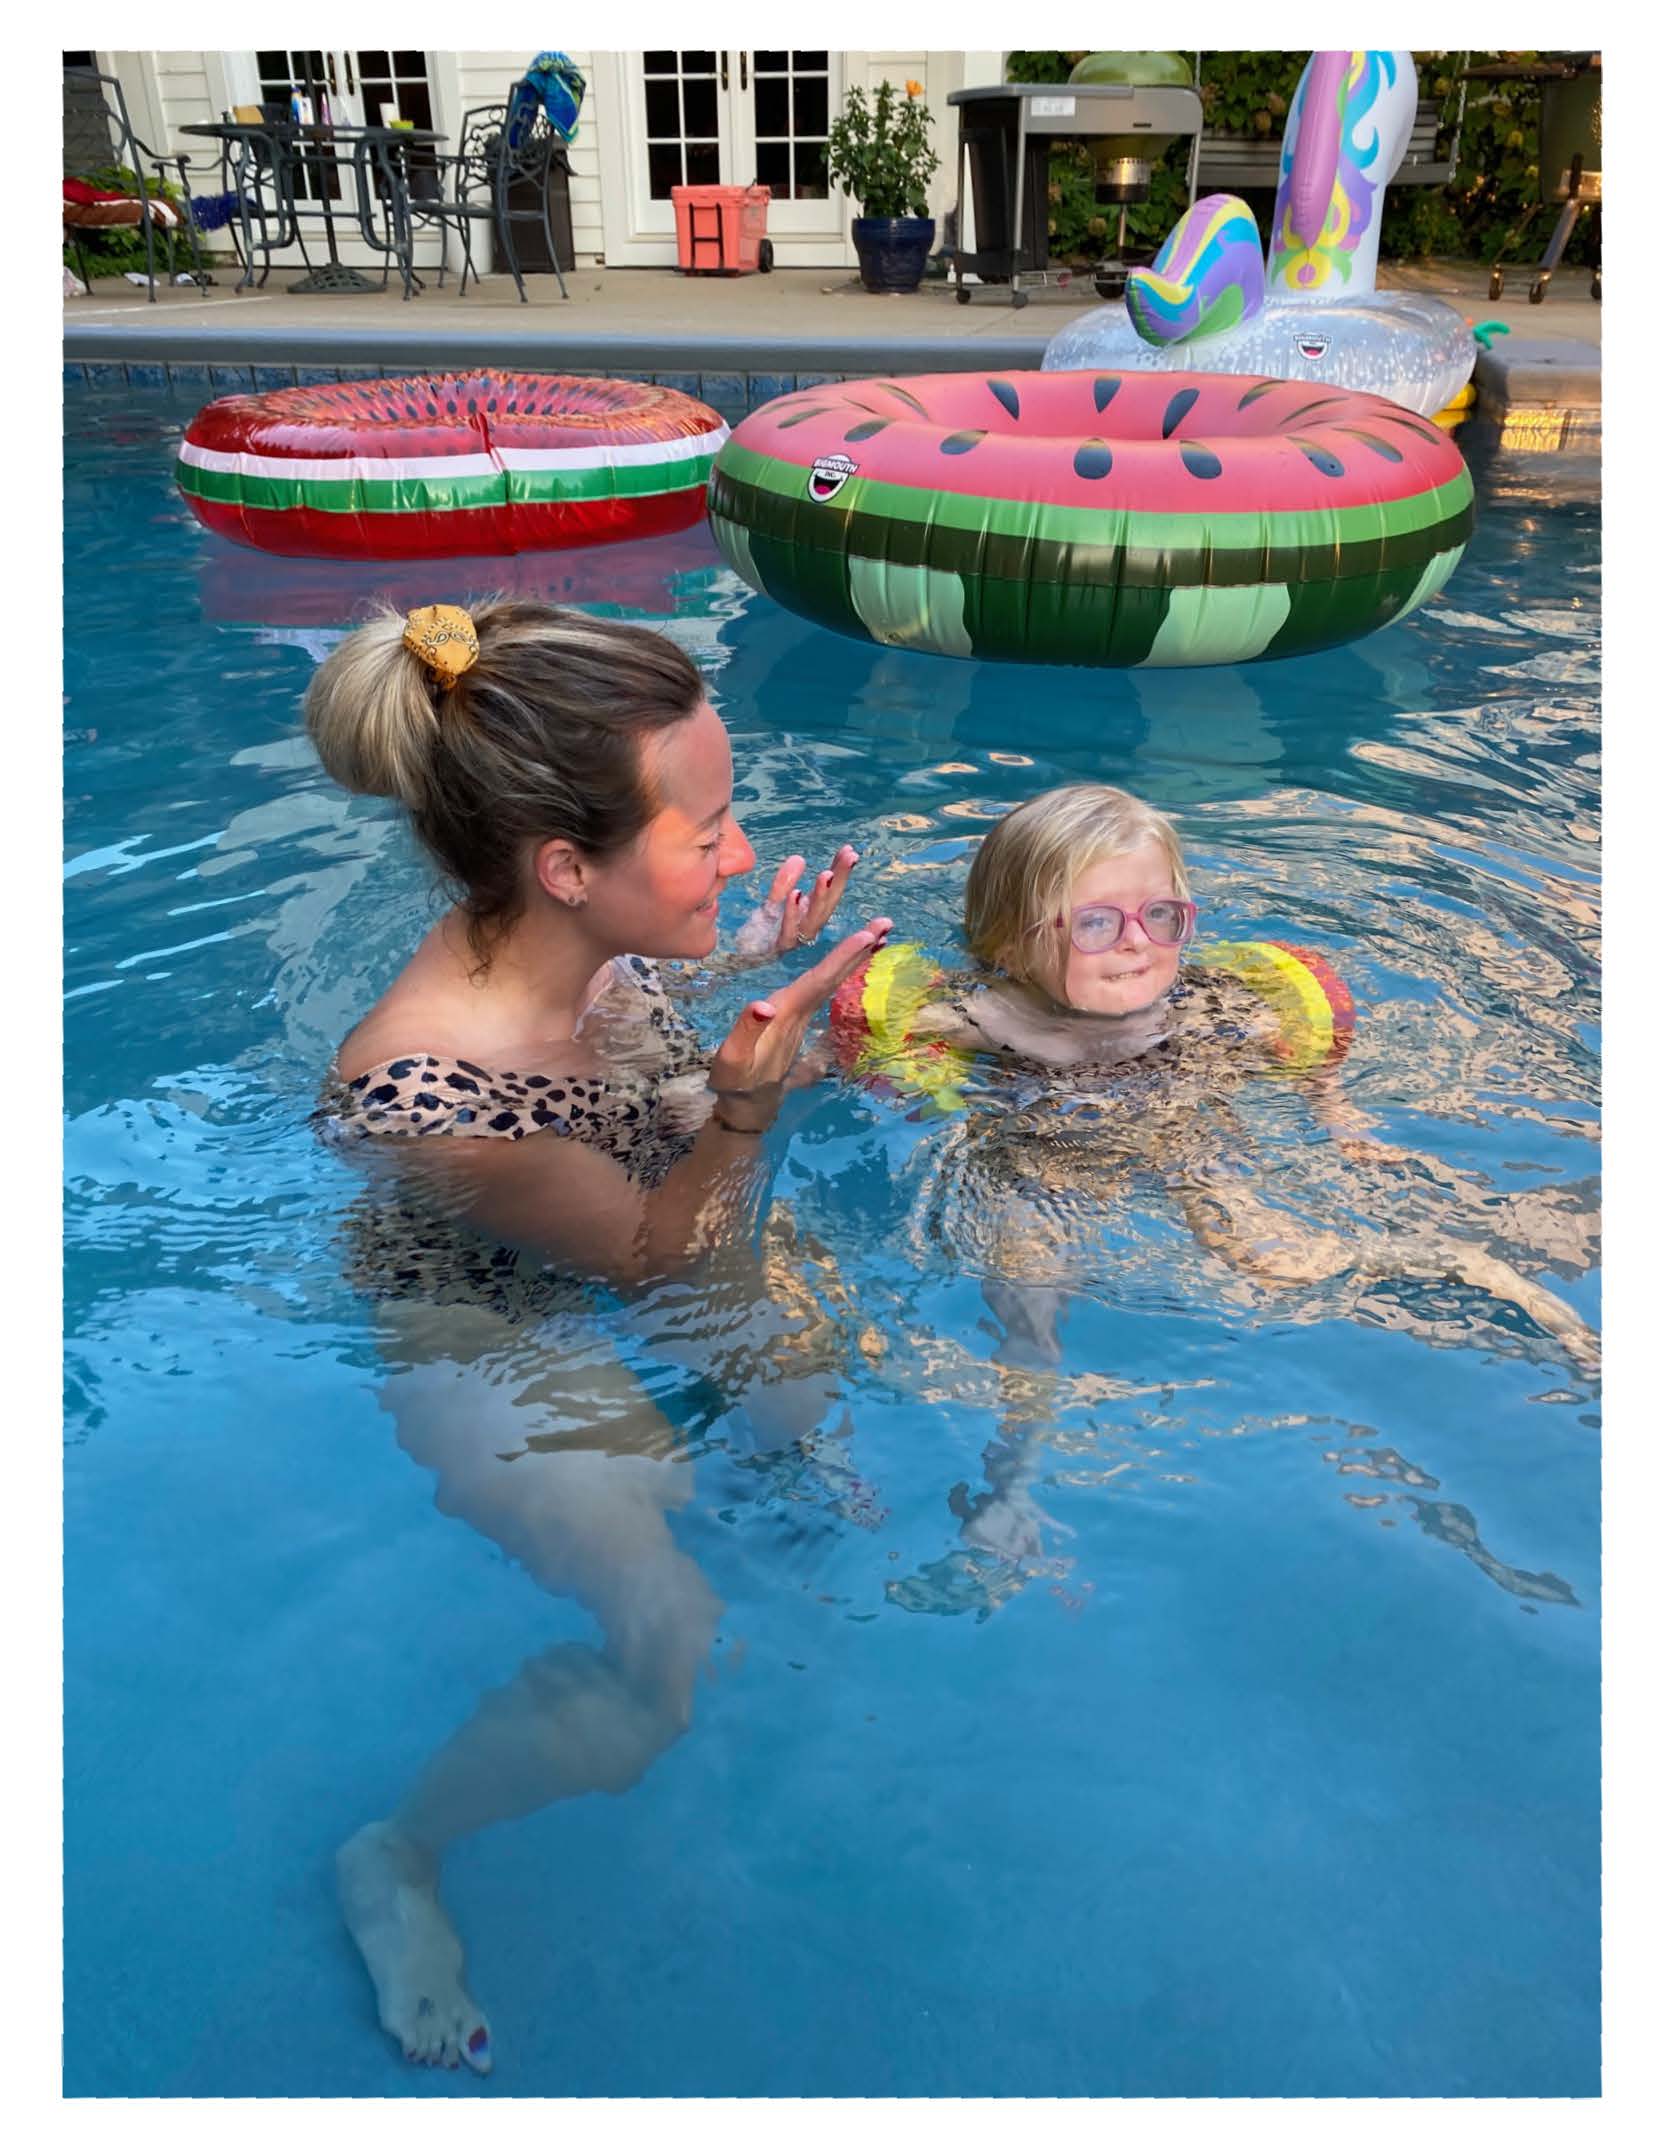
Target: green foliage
[882, 153]
[1249, 93]
[114, 249]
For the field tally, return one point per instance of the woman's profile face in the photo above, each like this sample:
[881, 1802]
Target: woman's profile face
[659, 897]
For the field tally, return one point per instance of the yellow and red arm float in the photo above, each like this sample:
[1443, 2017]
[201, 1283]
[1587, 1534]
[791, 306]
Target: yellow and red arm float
[874, 1011]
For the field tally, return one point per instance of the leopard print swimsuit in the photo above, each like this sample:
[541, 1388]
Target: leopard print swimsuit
[642, 1113]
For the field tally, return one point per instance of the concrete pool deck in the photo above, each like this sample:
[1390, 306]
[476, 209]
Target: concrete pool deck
[735, 332]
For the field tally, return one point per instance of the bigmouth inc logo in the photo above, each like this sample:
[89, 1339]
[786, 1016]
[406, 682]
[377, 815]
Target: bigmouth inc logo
[1309, 345]
[828, 474]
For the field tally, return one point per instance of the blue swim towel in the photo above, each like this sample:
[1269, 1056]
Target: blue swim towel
[554, 81]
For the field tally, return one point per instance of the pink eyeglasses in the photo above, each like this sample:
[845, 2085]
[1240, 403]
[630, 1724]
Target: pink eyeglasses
[1167, 923]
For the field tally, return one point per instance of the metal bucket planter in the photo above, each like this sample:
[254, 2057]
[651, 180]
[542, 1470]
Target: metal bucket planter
[892, 250]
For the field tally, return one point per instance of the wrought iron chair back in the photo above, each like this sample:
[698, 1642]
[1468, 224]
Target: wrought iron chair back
[501, 148]
[158, 217]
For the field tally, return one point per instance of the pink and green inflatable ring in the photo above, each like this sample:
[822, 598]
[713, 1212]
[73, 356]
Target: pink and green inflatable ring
[1093, 518]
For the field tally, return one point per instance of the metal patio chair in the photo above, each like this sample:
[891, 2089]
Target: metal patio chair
[148, 211]
[501, 149]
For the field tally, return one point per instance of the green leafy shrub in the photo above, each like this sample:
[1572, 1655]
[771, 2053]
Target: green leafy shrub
[881, 154]
[1249, 93]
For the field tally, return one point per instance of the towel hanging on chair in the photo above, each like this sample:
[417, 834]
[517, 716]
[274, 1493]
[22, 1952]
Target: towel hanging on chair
[554, 78]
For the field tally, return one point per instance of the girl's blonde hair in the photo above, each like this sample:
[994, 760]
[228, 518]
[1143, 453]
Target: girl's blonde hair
[541, 736]
[1021, 878]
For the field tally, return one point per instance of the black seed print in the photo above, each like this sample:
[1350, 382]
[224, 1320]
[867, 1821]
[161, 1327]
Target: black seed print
[1321, 458]
[867, 428]
[799, 417]
[912, 401]
[1415, 425]
[1092, 460]
[1323, 402]
[1201, 462]
[1006, 396]
[1177, 409]
[1382, 447]
[961, 443]
[1256, 392]
[1104, 389]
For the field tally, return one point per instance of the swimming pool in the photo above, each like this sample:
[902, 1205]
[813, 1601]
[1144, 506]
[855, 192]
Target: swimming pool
[1278, 1774]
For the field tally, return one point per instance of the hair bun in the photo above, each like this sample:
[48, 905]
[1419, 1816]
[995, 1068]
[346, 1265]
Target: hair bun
[442, 638]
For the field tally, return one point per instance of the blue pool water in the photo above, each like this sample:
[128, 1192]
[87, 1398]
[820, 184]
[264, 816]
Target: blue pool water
[1273, 1771]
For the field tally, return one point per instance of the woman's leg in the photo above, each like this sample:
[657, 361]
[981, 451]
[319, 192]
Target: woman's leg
[559, 1457]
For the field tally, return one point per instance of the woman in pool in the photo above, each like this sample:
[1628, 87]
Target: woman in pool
[569, 777]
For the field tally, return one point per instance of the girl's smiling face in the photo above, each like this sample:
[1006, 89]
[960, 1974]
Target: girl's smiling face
[1136, 971]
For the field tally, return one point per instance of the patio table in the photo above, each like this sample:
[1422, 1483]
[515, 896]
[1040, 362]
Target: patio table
[292, 149]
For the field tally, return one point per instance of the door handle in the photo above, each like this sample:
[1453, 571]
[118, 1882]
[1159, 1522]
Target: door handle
[347, 62]
[329, 69]
[723, 57]
[742, 70]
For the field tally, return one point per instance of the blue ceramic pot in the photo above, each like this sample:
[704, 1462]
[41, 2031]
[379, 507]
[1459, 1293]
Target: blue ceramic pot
[892, 250]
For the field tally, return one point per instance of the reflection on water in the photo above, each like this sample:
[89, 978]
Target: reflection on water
[921, 1398]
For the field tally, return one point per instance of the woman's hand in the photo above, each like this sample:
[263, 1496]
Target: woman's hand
[788, 918]
[753, 1063]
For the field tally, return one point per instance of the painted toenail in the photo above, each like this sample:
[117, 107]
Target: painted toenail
[479, 2041]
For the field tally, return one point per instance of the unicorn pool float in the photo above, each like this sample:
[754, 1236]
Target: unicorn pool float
[1313, 312]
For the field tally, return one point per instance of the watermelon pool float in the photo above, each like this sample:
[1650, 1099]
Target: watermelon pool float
[1093, 518]
[444, 463]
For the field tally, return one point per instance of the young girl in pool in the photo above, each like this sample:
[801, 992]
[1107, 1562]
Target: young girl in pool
[1079, 909]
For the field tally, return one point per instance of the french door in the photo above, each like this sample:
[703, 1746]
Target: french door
[723, 118]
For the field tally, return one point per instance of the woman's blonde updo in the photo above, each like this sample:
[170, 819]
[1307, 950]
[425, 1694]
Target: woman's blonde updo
[541, 736]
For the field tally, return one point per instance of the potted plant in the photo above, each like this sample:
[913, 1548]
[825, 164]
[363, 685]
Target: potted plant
[882, 155]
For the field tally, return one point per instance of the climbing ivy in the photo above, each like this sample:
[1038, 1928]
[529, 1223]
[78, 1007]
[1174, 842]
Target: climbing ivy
[1248, 93]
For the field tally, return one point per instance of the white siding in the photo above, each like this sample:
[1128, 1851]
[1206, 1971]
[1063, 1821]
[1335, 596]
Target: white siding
[182, 93]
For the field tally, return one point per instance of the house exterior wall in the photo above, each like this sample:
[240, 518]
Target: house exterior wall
[169, 90]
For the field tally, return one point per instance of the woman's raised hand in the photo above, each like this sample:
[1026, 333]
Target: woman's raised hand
[789, 917]
[755, 1059]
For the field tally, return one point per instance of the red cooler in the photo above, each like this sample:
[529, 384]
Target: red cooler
[722, 231]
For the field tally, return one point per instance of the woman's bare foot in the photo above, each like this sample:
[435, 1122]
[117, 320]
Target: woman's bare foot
[390, 1898]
